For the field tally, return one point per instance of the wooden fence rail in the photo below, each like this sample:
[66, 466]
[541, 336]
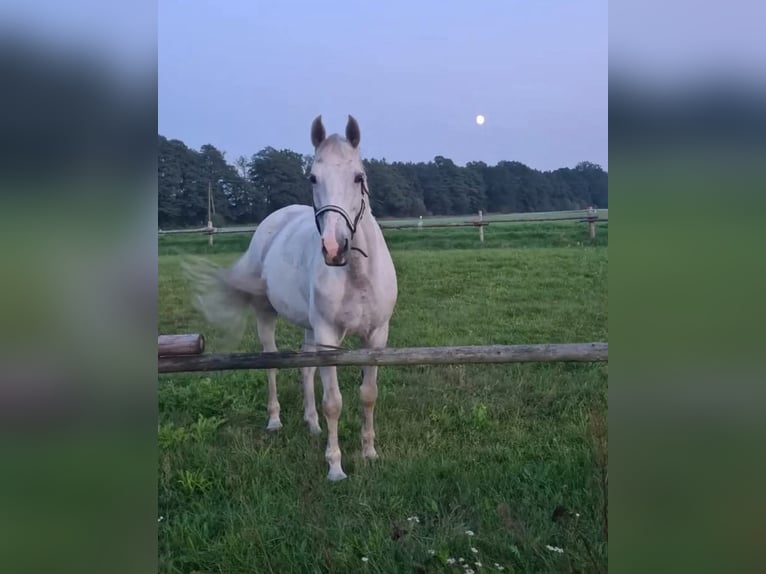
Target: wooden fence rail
[582, 216]
[546, 353]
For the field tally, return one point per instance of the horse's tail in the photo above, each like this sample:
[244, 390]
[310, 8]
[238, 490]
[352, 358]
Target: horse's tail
[225, 295]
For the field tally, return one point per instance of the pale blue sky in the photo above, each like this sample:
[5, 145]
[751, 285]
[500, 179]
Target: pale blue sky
[244, 74]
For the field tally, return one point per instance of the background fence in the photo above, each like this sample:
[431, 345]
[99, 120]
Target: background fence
[590, 216]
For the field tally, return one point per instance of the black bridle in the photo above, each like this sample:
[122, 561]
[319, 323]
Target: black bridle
[352, 224]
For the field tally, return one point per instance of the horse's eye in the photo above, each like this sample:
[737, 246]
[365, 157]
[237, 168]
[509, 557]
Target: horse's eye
[358, 178]
[313, 178]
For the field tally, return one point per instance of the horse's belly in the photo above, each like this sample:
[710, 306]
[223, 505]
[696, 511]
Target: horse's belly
[288, 297]
[287, 288]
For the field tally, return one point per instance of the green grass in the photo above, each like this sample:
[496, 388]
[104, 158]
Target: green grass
[512, 453]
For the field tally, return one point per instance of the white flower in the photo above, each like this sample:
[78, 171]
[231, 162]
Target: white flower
[160, 519]
[554, 549]
[577, 514]
[461, 560]
[432, 552]
[469, 571]
[414, 519]
[469, 532]
[474, 550]
[365, 559]
[477, 564]
[500, 568]
[450, 560]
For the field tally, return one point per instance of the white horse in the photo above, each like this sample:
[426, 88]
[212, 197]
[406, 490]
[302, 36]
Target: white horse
[327, 270]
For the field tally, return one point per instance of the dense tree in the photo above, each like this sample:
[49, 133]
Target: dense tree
[250, 189]
[241, 164]
[394, 194]
[184, 177]
[281, 177]
[182, 193]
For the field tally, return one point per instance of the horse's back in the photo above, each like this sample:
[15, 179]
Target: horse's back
[284, 220]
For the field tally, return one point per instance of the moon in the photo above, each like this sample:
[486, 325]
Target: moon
[480, 120]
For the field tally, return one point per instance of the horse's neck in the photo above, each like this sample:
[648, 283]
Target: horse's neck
[366, 239]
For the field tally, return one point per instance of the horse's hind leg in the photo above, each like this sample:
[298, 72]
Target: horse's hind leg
[267, 326]
[307, 376]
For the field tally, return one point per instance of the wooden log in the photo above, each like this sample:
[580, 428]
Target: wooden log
[180, 345]
[549, 353]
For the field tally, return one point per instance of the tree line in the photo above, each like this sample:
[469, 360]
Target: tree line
[250, 189]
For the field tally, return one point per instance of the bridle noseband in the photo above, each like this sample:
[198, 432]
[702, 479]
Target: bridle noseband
[352, 224]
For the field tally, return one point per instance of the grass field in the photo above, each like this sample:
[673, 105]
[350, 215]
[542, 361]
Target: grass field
[515, 455]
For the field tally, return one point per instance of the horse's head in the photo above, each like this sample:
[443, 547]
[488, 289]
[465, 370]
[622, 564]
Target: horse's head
[339, 186]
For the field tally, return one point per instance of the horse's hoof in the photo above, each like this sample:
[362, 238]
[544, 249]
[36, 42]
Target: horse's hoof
[369, 454]
[314, 428]
[274, 425]
[335, 475]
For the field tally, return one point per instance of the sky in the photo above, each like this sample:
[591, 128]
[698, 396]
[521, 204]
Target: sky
[246, 74]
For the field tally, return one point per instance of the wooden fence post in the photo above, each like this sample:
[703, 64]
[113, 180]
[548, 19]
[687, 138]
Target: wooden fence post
[592, 216]
[481, 226]
[175, 345]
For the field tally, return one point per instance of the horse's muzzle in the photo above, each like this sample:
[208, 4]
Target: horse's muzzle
[336, 256]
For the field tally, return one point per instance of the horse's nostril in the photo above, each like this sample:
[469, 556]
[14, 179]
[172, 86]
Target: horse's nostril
[345, 245]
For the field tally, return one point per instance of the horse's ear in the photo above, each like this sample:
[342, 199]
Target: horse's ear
[317, 131]
[353, 135]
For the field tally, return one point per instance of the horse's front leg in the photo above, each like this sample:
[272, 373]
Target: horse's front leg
[368, 393]
[307, 376]
[332, 401]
